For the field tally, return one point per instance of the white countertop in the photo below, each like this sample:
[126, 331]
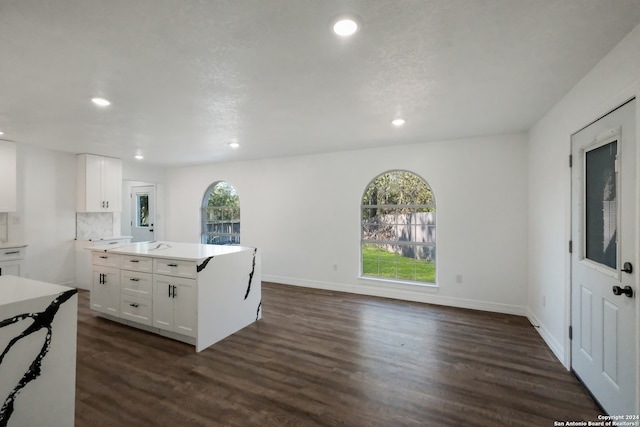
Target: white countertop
[8, 245]
[15, 289]
[98, 239]
[175, 250]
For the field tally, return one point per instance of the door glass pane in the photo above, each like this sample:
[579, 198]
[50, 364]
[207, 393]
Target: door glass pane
[142, 219]
[600, 205]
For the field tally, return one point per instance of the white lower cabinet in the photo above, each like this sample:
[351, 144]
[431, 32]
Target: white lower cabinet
[174, 304]
[105, 294]
[136, 309]
[129, 288]
[12, 261]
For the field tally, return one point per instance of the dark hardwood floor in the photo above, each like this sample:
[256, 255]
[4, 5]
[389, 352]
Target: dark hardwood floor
[319, 358]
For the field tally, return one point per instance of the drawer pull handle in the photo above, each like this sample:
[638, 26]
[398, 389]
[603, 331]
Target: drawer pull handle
[134, 260]
[12, 252]
[134, 305]
[172, 265]
[134, 279]
[103, 257]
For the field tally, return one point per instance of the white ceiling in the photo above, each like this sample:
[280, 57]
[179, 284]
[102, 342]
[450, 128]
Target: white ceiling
[186, 77]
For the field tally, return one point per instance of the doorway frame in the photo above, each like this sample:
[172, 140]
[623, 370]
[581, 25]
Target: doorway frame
[596, 114]
[126, 219]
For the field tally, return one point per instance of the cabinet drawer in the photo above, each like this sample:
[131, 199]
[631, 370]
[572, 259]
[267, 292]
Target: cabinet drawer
[136, 263]
[136, 284]
[9, 254]
[106, 259]
[135, 309]
[172, 267]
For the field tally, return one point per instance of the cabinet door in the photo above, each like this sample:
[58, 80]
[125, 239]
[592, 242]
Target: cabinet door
[112, 184]
[10, 268]
[105, 293]
[184, 307]
[93, 183]
[163, 302]
[99, 184]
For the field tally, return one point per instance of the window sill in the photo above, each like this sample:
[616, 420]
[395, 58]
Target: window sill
[394, 283]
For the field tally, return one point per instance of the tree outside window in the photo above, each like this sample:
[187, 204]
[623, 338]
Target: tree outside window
[221, 215]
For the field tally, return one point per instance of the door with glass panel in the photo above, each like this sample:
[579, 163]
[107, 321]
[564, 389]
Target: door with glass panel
[603, 271]
[143, 213]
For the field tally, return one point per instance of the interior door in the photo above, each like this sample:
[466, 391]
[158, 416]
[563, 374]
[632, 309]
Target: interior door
[143, 202]
[603, 288]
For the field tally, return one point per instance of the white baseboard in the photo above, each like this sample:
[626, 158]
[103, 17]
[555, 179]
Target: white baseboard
[552, 343]
[407, 293]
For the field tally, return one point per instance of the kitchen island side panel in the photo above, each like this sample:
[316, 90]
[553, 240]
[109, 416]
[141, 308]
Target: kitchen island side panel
[229, 295]
[38, 371]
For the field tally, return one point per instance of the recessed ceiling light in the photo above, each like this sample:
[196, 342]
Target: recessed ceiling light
[398, 122]
[1, 133]
[346, 25]
[139, 156]
[100, 101]
[234, 144]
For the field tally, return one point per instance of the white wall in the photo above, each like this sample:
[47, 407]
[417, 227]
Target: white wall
[304, 212]
[45, 218]
[614, 80]
[46, 210]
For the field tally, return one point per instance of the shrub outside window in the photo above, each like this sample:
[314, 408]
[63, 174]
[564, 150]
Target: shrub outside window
[398, 216]
[220, 215]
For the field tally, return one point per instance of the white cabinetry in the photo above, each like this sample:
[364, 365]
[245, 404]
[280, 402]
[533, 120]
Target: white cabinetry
[12, 261]
[7, 176]
[84, 279]
[198, 294]
[105, 292]
[99, 184]
[136, 289]
[174, 304]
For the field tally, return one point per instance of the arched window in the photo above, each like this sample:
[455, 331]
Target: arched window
[399, 228]
[220, 215]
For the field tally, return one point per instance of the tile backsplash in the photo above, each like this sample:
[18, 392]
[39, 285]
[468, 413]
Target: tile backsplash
[92, 225]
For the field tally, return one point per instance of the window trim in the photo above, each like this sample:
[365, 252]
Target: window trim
[415, 207]
[204, 207]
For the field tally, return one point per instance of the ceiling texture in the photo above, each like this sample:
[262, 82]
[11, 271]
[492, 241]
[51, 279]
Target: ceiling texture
[187, 77]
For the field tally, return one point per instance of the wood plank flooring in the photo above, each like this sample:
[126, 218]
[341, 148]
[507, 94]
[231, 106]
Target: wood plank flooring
[320, 358]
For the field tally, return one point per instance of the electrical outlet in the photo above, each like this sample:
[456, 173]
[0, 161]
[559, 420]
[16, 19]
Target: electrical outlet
[458, 278]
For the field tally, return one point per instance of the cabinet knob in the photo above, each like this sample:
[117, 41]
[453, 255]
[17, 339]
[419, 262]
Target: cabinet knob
[134, 305]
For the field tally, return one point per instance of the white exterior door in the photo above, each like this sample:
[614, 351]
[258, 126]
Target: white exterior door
[603, 271]
[143, 202]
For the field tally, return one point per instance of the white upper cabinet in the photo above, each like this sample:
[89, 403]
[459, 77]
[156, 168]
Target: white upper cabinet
[7, 176]
[99, 184]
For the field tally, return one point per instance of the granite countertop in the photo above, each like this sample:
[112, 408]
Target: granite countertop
[174, 250]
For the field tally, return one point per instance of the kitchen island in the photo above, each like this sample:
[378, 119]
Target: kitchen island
[194, 293]
[38, 324]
